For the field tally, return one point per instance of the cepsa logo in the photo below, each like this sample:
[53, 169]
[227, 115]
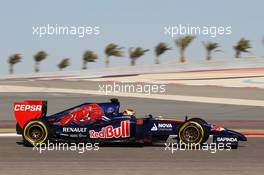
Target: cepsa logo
[110, 132]
[21, 107]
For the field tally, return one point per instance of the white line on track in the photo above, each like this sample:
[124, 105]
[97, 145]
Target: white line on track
[9, 135]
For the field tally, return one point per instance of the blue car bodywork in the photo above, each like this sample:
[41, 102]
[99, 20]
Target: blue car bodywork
[114, 126]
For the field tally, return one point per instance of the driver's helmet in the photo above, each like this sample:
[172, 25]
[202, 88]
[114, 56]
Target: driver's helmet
[129, 112]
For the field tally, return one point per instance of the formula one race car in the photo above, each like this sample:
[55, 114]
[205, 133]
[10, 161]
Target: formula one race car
[103, 123]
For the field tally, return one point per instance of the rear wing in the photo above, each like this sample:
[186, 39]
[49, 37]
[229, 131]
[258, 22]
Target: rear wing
[29, 110]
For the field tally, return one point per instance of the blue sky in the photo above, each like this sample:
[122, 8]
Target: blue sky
[127, 23]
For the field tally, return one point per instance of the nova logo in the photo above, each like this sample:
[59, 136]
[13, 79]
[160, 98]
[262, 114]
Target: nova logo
[164, 125]
[154, 127]
[226, 139]
[27, 107]
[161, 127]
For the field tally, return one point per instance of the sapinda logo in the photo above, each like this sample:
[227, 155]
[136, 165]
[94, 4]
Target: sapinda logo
[23, 107]
[226, 139]
[110, 132]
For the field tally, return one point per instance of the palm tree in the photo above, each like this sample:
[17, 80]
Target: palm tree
[88, 56]
[38, 57]
[160, 49]
[182, 43]
[210, 47]
[12, 60]
[242, 46]
[64, 63]
[134, 54]
[112, 50]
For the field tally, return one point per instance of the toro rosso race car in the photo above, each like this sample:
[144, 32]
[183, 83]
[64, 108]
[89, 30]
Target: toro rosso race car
[103, 123]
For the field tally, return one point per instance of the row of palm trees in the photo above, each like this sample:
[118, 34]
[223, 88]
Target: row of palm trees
[134, 53]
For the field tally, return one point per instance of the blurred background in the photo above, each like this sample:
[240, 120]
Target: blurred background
[127, 24]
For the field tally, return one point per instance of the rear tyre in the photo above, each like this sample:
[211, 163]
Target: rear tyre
[35, 132]
[193, 131]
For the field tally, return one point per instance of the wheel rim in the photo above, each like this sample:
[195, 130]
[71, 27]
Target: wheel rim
[191, 132]
[35, 133]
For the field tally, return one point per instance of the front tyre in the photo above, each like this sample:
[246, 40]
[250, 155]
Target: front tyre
[35, 132]
[193, 131]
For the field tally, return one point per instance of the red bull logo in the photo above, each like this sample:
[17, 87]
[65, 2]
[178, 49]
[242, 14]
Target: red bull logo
[217, 128]
[110, 132]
